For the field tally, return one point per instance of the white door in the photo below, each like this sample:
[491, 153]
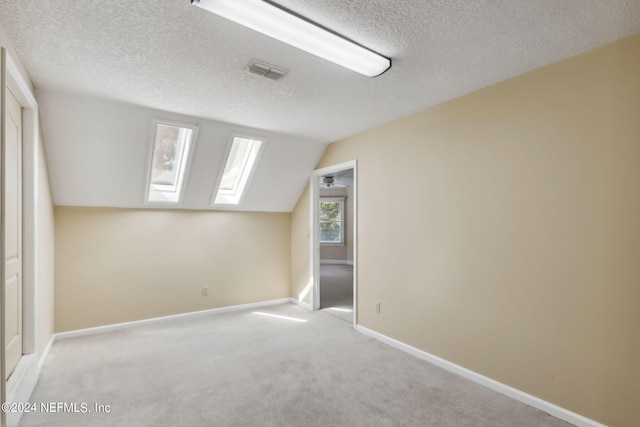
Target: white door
[13, 234]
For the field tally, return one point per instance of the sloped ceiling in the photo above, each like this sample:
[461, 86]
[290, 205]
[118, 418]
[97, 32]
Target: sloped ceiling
[99, 154]
[172, 57]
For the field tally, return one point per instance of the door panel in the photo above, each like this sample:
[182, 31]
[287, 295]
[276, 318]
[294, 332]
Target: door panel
[12, 313]
[13, 234]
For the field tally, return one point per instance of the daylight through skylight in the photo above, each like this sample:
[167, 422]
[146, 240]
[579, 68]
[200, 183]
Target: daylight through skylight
[171, 147]
[238, 169]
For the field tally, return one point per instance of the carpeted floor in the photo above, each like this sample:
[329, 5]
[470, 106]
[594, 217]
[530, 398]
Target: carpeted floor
[336, 290]
[250, 369]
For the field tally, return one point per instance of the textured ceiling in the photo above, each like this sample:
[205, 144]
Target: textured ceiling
[168, 56]
[173, 56]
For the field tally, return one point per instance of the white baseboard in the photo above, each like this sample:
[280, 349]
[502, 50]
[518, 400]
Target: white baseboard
[21, 384]
[300, 303]
[45, 353]
[336, 261]
[550, 408]
[126, 325]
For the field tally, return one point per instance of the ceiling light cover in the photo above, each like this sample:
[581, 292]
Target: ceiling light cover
[275, 22]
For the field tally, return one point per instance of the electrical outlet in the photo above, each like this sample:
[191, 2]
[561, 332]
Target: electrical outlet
[205, 291]
[377, 307]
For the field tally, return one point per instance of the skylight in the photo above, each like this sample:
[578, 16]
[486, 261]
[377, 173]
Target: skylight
[172, 144]
[238, 170]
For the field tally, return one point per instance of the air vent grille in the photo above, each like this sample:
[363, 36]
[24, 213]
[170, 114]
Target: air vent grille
[269, 71]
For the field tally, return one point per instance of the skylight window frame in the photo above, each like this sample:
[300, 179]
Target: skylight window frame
[246, 177]
[183, 168]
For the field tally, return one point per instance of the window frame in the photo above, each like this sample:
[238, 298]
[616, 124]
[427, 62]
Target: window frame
[245, 179]
[183, 168]
[332, 200]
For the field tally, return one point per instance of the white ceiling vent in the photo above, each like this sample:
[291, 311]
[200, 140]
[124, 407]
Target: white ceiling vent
[266, 70]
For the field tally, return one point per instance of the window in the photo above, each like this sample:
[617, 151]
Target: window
[171, 148]
[331, 220]
[238, 170]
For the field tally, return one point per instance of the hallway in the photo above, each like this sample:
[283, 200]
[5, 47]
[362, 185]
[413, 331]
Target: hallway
[336, 290]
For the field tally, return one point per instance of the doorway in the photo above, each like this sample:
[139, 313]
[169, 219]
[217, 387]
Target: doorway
[334, 240]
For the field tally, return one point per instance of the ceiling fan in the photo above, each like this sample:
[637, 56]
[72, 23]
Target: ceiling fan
[329, 182]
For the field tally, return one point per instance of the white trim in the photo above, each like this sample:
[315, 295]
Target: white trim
[16, 82]
[127, 325]
[314, 246]
[45, 352]
[30, 178]
[23, 380]
[3, 91]
[30, 148]
[27, 373]
[549, 408]
[336, 261]
[246, 177]
[314, 241]
[301, 303]
[183, 171]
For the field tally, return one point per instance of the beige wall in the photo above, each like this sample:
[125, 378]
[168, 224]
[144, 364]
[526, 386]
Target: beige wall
[340, 252]
[519, 255]
[118, 265]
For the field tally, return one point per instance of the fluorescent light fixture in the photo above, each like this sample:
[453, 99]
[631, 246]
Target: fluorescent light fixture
[271, 20]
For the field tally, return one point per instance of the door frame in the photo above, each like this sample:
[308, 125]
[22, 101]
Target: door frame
[23, 379]
[315, 235]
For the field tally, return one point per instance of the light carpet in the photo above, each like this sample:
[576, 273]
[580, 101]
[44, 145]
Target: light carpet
[249, 369]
